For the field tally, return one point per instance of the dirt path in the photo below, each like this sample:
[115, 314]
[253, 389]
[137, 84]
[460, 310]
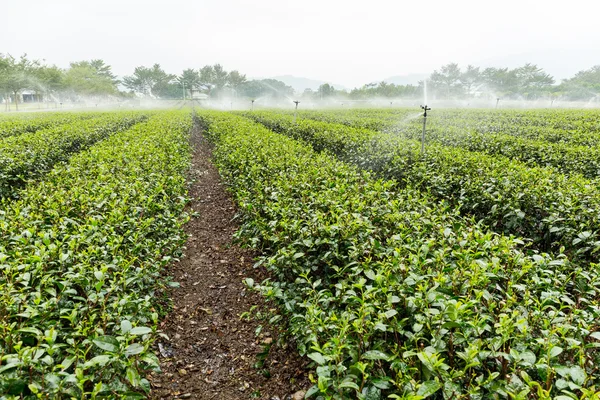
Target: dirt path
[211, 352]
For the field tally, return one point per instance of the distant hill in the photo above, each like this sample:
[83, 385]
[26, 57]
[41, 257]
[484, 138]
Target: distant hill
[300, 83]
[408, 79]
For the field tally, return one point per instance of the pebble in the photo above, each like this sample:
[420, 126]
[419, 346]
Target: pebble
[299, 395]
[268, 340]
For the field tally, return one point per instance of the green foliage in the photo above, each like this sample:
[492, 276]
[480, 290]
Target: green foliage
[528, 81]
[27, 156]
[550, 209]
[585, 85]
[152, 81]
[392, 294]
[15, 74]
[190, 79]
[384, 89]
[14, 125]
[559, 139]
[90, 78]
[325, 90]
[566, 127]
[81, 259]
[214, 78]
[266, 88]
[447, 81]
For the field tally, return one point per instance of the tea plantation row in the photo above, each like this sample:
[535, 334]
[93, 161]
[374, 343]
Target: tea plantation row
[395, 295]
[13, 125]
[538, 147]
[82, 257]
[538, 204]
[452, 274]
[29, 155]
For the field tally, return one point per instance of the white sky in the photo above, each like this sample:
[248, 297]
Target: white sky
[346, 42]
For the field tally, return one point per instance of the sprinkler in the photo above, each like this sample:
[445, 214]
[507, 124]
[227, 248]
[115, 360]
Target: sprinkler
[252, 107]
[296, 110]
[497, 101]
[425, 109]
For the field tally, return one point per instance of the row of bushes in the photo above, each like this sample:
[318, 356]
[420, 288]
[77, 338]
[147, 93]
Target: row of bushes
[30, 155]
[566, 127]
[536, 148]
[394, 295]
[26, 123]
[549, 209]
[81, 260]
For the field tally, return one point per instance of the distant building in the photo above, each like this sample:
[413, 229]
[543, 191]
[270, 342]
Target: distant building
[198, 95]
[30, 96]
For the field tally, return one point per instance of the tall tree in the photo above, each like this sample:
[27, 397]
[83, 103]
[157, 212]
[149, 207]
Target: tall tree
[214, 78]
[220, 76]
[326, 90]
[104, 70]
[83, 79]
[447, 80]
[470, 79]
[17, 75]
[49, 80]
[271, 88]
[207, 77]
[164, 85]
[151, 81]
[501, 81]
[141, 81]
[532, 80]
[4, 74]
[584, 85]
[384, 89]
[191, 78]
[235, 79]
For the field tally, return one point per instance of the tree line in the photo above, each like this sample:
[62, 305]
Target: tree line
[528, 82]
[95, 79]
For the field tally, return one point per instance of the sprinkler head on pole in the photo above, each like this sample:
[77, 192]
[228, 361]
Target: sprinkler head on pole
[425, 109]
[296, 109]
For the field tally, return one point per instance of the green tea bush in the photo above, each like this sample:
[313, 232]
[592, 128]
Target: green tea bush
[394, 295]
[81, 260]
[29, 155]
[26, 123]
[546, 207]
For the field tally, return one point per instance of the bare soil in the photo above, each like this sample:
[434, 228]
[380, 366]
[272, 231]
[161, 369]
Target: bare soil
[211, 352]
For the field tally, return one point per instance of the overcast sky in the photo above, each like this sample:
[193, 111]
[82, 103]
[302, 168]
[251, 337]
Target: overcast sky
[346, 42]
